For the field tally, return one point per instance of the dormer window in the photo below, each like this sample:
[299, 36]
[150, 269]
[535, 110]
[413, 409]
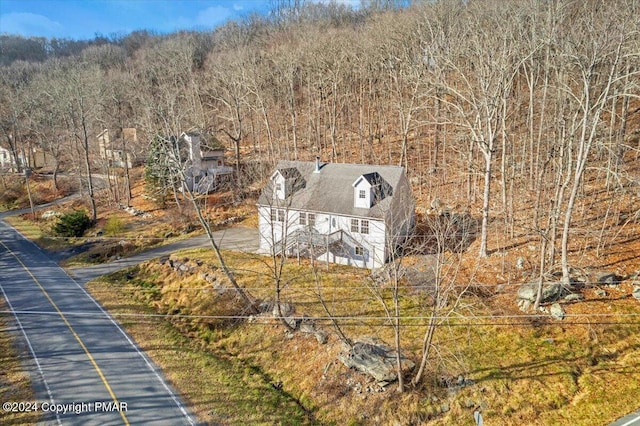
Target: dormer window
[286, 182]
[369, 189]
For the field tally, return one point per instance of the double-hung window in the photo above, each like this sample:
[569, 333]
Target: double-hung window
[277, 215]
[364, 226]
[360, 225]
[308, 219]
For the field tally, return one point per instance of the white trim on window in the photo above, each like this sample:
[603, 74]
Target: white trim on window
[364, 226]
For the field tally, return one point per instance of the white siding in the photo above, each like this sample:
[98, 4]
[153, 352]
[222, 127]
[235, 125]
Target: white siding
[372, 244]
[271, 231]
[362, 185]
[279, 186]
[264, 228]
[347, 246]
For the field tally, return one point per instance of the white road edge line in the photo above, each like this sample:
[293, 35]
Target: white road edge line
[180, 406]
[33, 353]
[632, 421]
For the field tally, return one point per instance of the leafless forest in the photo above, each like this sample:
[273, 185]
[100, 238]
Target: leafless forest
[492, 106]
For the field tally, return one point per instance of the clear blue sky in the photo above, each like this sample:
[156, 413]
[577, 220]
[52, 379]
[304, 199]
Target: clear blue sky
[83, 19]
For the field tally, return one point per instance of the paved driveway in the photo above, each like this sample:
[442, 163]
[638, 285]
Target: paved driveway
[237, 238]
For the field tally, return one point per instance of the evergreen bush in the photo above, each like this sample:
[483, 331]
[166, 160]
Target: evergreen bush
[72, 224]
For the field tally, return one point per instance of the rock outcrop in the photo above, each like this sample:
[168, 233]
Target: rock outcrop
[551, 292]
[375, 359]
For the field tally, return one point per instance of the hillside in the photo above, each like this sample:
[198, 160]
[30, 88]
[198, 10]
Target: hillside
[520, 367]
[520, 117]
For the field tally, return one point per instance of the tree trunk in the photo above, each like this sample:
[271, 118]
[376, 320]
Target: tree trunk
[85, 145]
[426, 346]
[488, 155]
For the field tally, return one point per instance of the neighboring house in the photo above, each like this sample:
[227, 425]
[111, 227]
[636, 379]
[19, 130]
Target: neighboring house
[205, 166]
[7, 162]
[352, 214]
[118, 152]
[35, 159]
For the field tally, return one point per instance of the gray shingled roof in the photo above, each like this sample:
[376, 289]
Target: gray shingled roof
[331, 190]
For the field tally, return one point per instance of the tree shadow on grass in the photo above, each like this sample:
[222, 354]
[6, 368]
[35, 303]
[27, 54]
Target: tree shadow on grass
[559, 365]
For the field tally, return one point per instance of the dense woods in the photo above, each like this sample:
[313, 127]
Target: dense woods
[492, 106]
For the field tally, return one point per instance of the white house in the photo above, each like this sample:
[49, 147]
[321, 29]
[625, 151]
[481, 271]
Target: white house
[7, 162]
[206, 163]
[352, 214]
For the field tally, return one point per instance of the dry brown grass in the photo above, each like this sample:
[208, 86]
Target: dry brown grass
[524, 374]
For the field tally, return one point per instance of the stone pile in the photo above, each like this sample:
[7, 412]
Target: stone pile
[554, 293]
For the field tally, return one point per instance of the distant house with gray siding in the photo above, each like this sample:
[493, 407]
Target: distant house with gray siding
[205, 163]
[351, 214]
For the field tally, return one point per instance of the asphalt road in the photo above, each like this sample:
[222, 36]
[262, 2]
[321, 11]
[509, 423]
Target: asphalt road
[38, 207]
[86, 362]
[632, 419]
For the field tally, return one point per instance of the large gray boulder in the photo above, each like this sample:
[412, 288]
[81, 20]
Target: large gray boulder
[608, 278]
[376, 360]
[636, 292]
[551, 292]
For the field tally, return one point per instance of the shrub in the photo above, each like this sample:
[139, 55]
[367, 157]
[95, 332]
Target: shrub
[113, 226]
[72, 224]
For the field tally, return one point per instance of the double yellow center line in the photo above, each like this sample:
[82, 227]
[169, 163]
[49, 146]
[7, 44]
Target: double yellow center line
[80, 342]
